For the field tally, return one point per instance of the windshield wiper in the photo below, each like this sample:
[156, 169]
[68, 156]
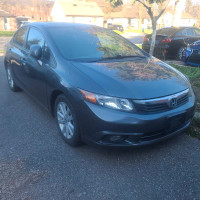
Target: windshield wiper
[121, 57]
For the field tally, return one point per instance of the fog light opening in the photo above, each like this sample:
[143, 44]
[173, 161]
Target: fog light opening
[116, 138]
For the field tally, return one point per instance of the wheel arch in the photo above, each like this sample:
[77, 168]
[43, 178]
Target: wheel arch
[53, 98]
[6, 62]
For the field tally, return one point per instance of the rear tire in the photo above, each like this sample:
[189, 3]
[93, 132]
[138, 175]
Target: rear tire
[67, 122]
[179, 53]
[11, 80]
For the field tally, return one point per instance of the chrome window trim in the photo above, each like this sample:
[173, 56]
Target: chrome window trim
[166, 99]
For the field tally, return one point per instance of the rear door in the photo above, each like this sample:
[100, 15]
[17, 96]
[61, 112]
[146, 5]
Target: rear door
[18, 54]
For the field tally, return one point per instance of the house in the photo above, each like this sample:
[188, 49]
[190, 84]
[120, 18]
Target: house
[130, 16]
[187, 20]
[31, 11]
[77, 12]
[182, 19]
[7, 21]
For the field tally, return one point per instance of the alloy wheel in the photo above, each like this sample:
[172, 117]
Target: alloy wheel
[65, 120]
[180, 53]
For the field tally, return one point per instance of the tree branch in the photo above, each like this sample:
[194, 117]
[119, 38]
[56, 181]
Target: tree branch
[147, 7]
[162, 11]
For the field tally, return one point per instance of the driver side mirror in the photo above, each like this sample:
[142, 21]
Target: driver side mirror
[36, 51]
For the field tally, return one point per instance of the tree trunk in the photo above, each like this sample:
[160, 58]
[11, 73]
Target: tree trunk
[153, 37]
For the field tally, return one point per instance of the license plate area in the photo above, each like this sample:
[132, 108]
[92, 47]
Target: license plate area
[176, 122]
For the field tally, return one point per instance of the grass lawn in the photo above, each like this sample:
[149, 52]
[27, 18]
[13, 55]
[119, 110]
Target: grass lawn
[146, 31]
[133, 31]
[193, 73]
[139, 45]
[6, 33]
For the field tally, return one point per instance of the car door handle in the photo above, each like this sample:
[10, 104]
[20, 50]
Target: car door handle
[23, 60]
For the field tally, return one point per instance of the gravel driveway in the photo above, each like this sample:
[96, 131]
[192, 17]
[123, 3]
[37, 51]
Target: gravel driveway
[35, 163]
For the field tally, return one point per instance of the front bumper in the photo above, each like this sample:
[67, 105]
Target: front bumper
[107, 127]
[191, 58]
[185, 55]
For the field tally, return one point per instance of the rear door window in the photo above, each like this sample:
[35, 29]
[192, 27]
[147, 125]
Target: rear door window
[197, 32]
[181, 33]
[20, 36]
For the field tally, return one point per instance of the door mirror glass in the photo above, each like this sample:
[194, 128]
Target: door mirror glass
[36, 51]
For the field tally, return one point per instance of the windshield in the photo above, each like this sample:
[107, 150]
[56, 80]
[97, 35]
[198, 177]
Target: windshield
[91, 43]
[167, 31]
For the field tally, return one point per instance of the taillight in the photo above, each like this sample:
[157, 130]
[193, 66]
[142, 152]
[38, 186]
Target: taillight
[145, 39]
[168, 40]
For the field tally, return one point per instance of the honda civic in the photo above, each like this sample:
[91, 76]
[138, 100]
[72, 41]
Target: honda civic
[101, 88]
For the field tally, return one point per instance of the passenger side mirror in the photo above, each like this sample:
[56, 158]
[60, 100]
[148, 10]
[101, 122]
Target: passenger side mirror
[36, 51]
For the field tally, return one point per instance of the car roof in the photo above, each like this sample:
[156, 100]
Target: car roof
[57, 24]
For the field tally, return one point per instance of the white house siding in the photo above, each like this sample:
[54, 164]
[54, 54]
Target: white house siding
[146, 24]
[167, 18]
[187, 22]
[99, 21]
[135, 23]
[58, 14]
[89, 20]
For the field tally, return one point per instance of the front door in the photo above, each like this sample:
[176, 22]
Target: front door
[34, 70]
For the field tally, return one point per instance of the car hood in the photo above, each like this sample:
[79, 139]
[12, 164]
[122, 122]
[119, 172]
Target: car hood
[195, 45]
[142, 78]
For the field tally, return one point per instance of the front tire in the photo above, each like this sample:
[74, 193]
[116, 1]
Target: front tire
[11, 81]
[67, 121]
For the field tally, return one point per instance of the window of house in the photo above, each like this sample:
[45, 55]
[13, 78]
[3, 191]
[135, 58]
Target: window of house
[5, 20]
[20, 36]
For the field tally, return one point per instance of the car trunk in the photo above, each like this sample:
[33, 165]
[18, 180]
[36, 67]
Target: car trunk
[158, 39]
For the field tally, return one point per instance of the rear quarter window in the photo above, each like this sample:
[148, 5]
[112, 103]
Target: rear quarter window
[197, 32]
[20, 36]
[167, 31]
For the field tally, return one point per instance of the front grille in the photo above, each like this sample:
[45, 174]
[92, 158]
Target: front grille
[152, 108]
[161, 104]
[183, 100]
[195, 52]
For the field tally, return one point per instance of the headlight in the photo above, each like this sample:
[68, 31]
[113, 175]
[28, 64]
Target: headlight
[109, 102]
